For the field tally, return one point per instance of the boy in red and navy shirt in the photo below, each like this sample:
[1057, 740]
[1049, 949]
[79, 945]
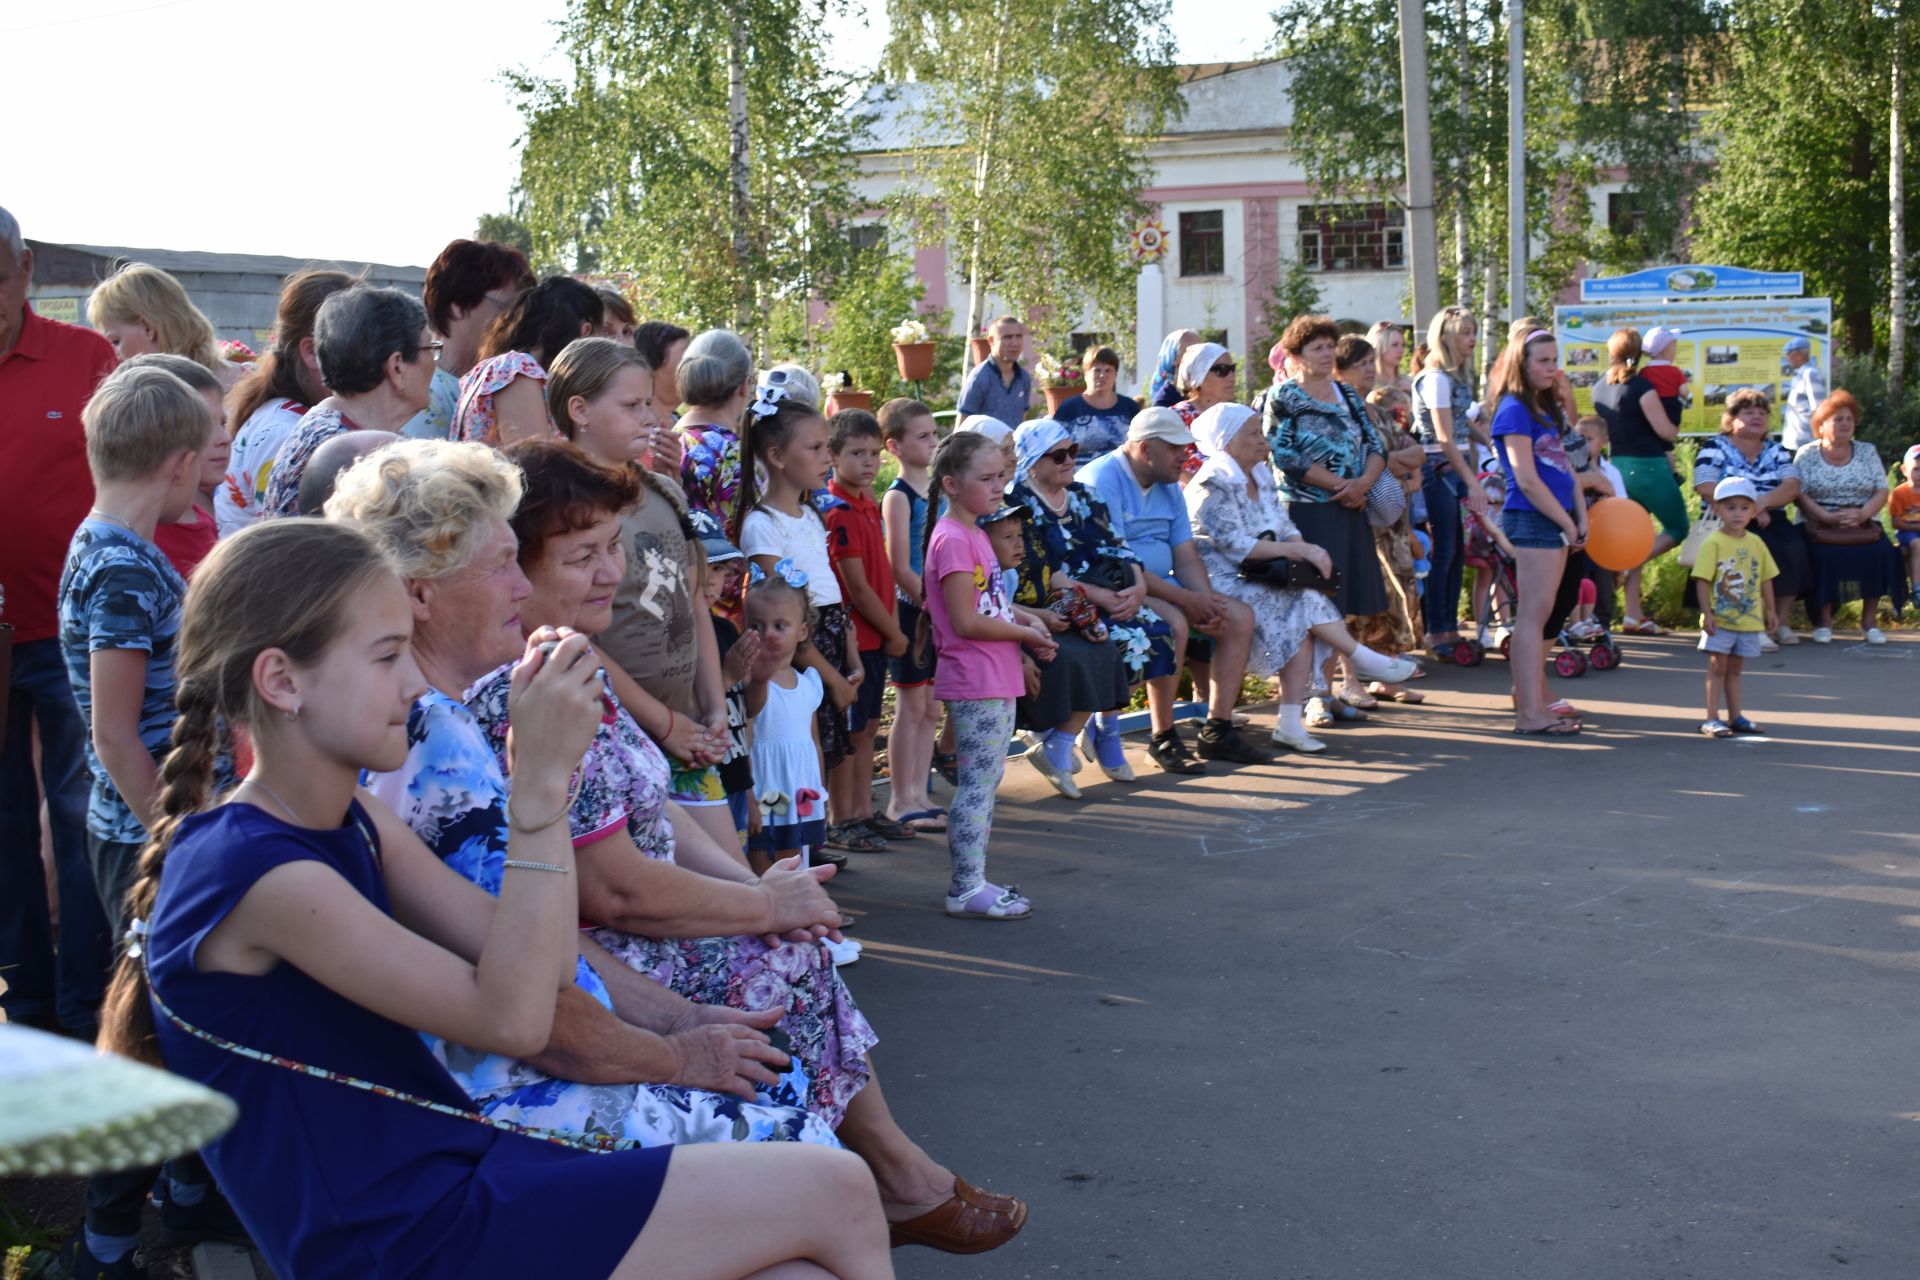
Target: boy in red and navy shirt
[858, 549]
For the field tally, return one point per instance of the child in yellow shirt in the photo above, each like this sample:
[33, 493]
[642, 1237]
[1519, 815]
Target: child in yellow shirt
[1734, 580]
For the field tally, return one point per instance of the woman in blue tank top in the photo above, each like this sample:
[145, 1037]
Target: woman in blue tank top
[298, 938]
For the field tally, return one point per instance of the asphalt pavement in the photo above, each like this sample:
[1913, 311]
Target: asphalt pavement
[1444, 1002]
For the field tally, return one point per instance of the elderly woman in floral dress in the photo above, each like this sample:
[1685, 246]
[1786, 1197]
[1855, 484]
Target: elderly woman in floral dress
[1238, 519]
[1071, 544]
[673, 906]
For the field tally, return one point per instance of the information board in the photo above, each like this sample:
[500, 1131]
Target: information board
[1724, 346]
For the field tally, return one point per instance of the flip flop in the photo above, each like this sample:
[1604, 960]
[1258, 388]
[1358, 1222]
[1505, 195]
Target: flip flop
[1563, 709]
[924, 820]
[855, 838]
[1558, 729]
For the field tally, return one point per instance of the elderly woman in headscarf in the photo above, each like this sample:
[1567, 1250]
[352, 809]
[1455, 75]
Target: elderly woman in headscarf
[1238, 520]
[1164, 390]
[1075, 557]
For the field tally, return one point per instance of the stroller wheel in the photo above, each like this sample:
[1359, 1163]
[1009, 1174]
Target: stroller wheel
[1570, 663]
[1468, 653]
[1506, 646]
[1603, 657]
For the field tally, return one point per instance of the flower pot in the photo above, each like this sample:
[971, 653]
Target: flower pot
[915, 360]
[849, 399]
[982, 348]
[1057, 396]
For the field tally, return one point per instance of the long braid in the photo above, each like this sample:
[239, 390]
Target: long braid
[186, 781]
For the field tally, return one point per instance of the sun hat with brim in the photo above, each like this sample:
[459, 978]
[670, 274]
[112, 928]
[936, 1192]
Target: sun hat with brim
[713, 538]
[992, 428]
[1735, 487]
[1008, 512]
[1797, 344]
[65, 1108]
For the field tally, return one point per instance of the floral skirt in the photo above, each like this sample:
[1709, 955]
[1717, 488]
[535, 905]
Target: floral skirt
[1145, 642]
[828, 1032]
[657, 1115]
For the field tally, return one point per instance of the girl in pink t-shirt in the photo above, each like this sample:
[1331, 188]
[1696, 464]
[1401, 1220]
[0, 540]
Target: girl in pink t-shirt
[978, 639]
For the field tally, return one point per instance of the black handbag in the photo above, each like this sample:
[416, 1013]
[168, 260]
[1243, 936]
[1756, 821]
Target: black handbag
[1298, 575]
[1108, 574]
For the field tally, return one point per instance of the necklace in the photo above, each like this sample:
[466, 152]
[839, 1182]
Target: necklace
[110, 518]
[253, 781]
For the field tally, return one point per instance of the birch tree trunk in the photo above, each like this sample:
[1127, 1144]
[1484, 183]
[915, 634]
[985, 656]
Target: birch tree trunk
[1897, 212]
[737, 156]
[1462, 222]
[982, 169]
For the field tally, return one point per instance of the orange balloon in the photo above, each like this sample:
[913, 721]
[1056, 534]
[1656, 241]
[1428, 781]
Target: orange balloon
[1619, 534]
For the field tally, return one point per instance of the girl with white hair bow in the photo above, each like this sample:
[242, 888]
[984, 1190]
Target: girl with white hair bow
[1238, 518]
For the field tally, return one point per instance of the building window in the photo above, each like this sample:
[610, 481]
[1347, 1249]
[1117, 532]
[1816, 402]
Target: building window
[1355, 237]
[1203, 243]
[1626, 216]
[869, 235]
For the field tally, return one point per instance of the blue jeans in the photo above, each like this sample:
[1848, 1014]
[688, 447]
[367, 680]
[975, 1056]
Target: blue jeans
[1447, 562]
[38, 984]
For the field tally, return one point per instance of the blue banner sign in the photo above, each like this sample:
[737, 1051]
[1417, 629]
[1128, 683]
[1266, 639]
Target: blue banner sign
[1692, 281]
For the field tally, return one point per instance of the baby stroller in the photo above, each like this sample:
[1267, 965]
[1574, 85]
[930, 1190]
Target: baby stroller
[1570, 661]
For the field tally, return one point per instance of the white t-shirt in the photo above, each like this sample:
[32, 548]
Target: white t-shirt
[802, 539]
[1614, 478]
[242, 496]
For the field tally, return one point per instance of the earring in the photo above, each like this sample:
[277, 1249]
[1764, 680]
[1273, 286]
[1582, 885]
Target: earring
[292, 715]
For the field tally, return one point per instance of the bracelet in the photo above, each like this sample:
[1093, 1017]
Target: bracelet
[535, 866]
[536, 828]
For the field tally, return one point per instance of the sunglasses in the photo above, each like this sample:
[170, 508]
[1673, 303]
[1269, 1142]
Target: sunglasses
[1226, 370]
[1065, 453]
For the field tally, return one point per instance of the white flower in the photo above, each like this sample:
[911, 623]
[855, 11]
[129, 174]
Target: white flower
[833, 383]
[910, 332]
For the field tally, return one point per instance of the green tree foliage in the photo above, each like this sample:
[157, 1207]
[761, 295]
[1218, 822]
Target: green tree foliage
[1608, 85]
[1029, 152]
[626, 164]
[506, 229]
[1801, 123]
[881, 290]
[1295, 293]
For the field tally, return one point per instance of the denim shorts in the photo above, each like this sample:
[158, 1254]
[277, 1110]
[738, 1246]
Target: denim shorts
[1740, 644]
[1526, 528]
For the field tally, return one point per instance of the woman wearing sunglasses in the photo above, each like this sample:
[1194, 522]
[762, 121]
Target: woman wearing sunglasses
[1074, 556]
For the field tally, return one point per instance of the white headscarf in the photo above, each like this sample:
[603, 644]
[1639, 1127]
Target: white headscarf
[1041, 436]
[992, 428]
[1194, 365]
[1212, 431]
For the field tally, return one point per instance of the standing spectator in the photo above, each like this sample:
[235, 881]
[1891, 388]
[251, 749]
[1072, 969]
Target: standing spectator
[145, 311]
[1806, 389]
[1389, 343]
[1904, 512]
[1442, 413]
[48, 371]
[186, 541]
[661, 345]
[502, 398]
[1000, 386]
[1164, 390]
[467, 288]
[1097, 418]
[270, 401]
[1641, 436]
[1843, 486]
[1327, 456]
[1545, 516]
[376, 355]
[1733, 583]
[1743, 450]
[620, 322]
[715, 381]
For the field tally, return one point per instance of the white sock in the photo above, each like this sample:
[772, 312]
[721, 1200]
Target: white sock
[1364, 657]
[1290, 717]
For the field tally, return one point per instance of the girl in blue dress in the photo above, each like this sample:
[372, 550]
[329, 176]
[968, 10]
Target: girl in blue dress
[298, 937]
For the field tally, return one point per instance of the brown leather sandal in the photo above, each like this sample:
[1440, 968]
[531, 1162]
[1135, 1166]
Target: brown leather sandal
[968, 1221]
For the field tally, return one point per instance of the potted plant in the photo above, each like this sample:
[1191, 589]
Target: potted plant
[1058, 381]
[913, 350]
[982, 344]
[838, 391]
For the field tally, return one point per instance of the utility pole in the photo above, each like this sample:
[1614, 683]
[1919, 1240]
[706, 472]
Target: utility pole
[1424, 240]
[1516, 162]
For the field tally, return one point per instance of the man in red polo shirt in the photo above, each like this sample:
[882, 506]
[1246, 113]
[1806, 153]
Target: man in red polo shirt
[48, 371]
